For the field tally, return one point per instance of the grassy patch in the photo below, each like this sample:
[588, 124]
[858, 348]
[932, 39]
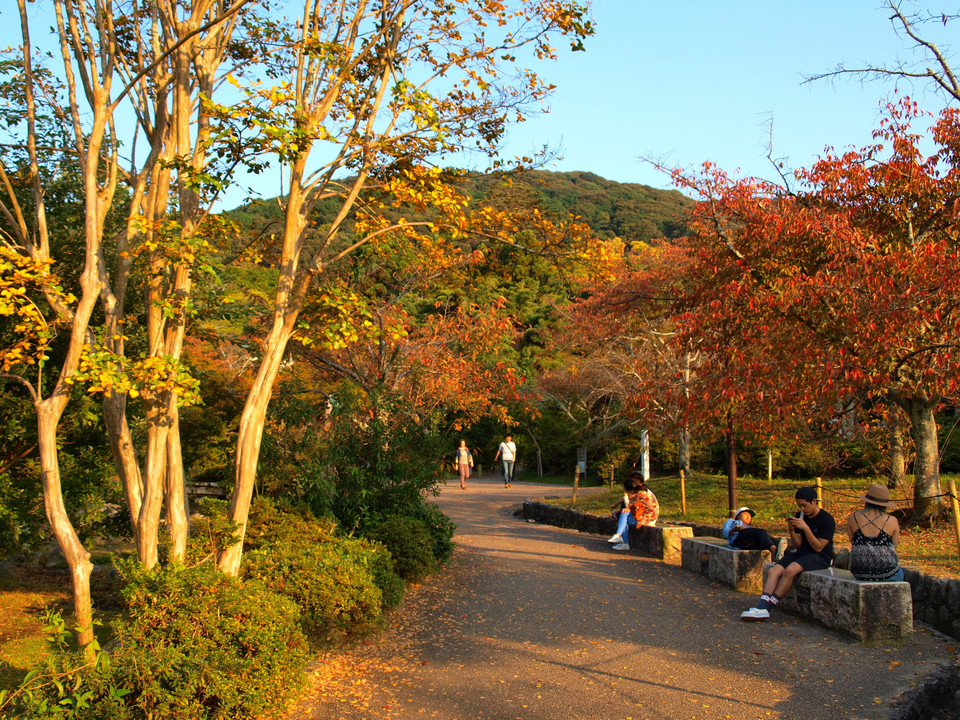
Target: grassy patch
[21, 604]
[24, 597]
[930, 549]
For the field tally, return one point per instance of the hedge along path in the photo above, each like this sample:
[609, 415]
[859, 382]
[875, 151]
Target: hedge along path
[531, 622]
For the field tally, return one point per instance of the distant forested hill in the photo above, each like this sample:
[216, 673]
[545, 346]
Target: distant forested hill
[626, 210]
[630, 211]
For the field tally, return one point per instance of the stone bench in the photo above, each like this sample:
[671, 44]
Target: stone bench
[871, 611]
[712, 557]
[660, 541]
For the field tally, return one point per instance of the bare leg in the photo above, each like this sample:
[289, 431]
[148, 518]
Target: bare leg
[773, 579]
[787, 577]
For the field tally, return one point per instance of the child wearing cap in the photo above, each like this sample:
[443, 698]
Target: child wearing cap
[811, 542]
[741, 535]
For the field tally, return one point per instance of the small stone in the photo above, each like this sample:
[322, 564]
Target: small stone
[953, 597]
[55, 560]
[8, 570]
[105, 572]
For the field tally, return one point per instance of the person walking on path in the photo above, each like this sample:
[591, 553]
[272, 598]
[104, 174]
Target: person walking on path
[464, 463]
[873, 538]
[534, 621]
[507, 452]
[811, 541]
[638, 507]
[742, 535]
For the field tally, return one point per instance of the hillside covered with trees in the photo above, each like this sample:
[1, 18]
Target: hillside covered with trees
[632, 212]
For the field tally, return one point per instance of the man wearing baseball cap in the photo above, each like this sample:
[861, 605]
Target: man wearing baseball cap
[811, 541]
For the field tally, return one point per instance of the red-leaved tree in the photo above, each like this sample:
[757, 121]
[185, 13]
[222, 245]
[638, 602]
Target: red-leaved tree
[837, 292]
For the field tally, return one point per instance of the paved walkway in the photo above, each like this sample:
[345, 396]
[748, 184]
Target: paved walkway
[534, 622]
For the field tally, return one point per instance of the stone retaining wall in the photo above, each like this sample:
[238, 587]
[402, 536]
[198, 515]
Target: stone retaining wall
[660, 541]
[936, 600]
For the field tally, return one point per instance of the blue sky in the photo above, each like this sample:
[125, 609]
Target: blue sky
[698, 80]
[695, 80]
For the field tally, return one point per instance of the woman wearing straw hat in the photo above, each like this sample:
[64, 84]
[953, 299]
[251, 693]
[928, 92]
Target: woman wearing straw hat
[874, 534]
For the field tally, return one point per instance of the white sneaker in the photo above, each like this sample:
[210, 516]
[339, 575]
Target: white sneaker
[781, 549]
[755, 614]
[615, 539]
[621, 546]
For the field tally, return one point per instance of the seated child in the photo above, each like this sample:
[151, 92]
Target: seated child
[639, 506]
[741, 535]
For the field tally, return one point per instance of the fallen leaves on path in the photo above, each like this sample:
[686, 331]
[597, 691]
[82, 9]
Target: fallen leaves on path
[368, 681]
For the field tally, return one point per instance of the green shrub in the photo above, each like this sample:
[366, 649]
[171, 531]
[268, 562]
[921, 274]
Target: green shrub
[273, 522]
[341, 584]
[66, 684]
[199, 644]
[194, 645]
[378, 560]
[441, 530]
[410, 544]
[336, 594]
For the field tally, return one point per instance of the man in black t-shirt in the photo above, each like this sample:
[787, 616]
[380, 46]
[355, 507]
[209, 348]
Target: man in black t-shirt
[811, 542]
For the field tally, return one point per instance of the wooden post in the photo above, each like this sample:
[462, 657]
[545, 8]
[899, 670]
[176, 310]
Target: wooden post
[576, 482]
[769, 465]
[683, 494]
[819, 491]
[731, 465]
[645, 454]
[956, 507]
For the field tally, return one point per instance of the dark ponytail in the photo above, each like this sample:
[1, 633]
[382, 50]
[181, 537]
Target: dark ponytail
[635, 481]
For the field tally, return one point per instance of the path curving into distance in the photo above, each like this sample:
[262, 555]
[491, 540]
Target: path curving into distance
[532, 622]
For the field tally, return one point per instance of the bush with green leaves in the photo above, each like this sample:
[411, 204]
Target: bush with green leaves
[193, 645]
[440, 527]
[376, 558]
[410, 544]
[199, 644]
[66, 684]
[336, 594]
[341, 584]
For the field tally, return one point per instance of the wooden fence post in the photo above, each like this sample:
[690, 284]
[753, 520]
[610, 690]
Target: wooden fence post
[819, 491]
[683, 494]
[576, 482]
[956, 508]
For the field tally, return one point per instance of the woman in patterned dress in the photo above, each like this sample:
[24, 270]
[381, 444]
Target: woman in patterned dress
[640, 507]
[874, 535]
[464, 463]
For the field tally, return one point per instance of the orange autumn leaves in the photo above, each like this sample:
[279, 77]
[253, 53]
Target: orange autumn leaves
[789, 298]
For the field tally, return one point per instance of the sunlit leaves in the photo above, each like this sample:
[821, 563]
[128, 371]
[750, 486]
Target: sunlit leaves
[335, 317]
[27, 332]
[101, 371]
